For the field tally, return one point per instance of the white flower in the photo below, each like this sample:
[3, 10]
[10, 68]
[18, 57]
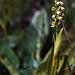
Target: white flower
[61, 3]
[58, 3]
[53, 16]
[62, 8]
[60, 18]
[58, 12]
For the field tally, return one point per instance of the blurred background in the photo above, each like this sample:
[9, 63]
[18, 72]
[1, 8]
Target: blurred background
[26, 33]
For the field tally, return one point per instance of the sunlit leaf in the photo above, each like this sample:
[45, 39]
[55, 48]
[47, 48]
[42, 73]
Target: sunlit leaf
[58, 42]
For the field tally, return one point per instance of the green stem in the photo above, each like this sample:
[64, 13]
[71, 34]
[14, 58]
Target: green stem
[53, 70]
[6, 35]
[4, 30]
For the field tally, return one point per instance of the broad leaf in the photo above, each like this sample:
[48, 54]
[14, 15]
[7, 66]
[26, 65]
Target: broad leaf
[9, 53]
[12, 70]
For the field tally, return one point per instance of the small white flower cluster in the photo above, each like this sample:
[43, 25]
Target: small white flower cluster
[58, 13]
[59, 2]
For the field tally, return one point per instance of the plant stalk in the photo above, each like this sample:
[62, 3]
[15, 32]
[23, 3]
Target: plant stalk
[68, 41]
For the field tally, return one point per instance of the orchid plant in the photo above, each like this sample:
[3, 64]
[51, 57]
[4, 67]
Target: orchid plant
[57, 64]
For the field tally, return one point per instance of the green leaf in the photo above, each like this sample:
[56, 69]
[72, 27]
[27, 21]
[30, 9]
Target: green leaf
[42, 69]
[40, 19]
[39, 73]
[70, 57]
[9, 53]
[64, 68]
[12, 70]
[49, 64]
[40, 23]
[64, 49]
[58, 42]
[46, 26]
[62, 60]
[46, 67]
[52, 70]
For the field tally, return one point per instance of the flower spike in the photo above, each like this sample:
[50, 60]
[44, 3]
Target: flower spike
[58, 15]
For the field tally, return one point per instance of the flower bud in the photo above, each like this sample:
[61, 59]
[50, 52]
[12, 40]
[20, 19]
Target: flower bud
[53, 8]
[53, 23]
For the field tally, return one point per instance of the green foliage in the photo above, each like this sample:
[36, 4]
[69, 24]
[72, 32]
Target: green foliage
[58, 42]
[23, 34]
[50, 62]
[64, 69]
[61, 63]
[5, 50]
[12, 70]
